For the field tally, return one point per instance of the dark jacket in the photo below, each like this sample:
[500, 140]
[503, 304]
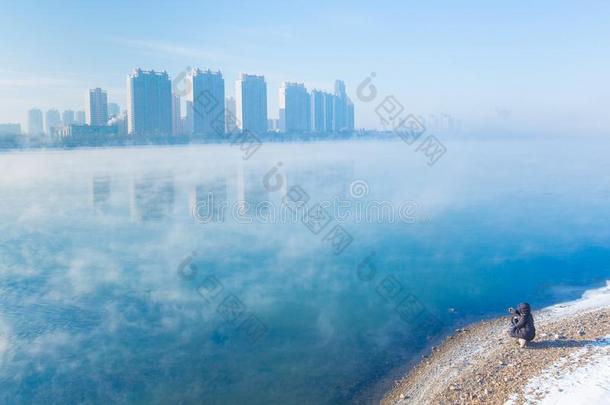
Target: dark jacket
[523, 323]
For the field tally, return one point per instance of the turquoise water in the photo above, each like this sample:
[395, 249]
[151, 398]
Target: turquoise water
[123, 282]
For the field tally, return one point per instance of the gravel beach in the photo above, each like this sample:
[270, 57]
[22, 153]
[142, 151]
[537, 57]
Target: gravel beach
[481, 364]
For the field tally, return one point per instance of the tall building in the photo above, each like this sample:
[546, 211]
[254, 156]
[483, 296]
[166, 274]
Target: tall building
[80, 117]
[230, 115]
[67, 118]
[207, 95]
[176, 115]
[340, 106]
[52, 121]
[295, 106]
[321, 111]
[149, 102]
[187, 120]
[343, 109]
[329, 111]
[251, 103]
[35, 122]
[114, 109]
[97, 107]
[349, 115]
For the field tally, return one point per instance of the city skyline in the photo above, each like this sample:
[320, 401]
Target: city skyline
[155, 101]
[490, 62]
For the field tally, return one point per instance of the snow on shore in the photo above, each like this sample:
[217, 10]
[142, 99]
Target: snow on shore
[590, 301]
[584, 376]
[567, 363]
[581, 378]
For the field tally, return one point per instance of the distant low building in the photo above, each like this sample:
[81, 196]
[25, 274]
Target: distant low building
[80, 117]
[76, 130]
[113, 109]
[10, 135]
[10, 129]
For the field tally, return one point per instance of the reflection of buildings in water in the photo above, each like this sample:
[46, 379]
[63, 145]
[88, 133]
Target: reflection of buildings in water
[100, 191]
[152, 197]
[325, 182]
[253, 193]
[208, 200]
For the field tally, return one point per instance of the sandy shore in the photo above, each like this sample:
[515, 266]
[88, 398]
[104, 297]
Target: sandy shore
[569, 358]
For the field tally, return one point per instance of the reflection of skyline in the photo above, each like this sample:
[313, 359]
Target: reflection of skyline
[100, 191]
[209, 198]
[152, 198]
[327, 181]
[255, 196]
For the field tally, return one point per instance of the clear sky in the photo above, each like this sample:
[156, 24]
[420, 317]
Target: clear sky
[547, 63]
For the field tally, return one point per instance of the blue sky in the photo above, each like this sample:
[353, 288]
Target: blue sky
[547, 63]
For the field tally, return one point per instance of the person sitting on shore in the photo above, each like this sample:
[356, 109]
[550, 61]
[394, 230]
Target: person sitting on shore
[522, 324]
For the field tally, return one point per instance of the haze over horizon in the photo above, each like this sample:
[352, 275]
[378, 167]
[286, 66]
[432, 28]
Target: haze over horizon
[545, 64]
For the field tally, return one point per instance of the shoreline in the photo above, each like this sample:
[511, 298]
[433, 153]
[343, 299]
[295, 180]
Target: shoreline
[481, 364]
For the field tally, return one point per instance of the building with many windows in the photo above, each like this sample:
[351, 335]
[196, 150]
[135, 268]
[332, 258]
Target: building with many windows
[207, 96]
[251, 103]
[80, 117]
[52, 121]
[230, 115]
[35, 122]
[295, 106]
[149, 103]
[96, 107]
[176, 115]
[67, 118]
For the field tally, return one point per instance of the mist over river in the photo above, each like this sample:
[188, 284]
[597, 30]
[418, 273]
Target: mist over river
[190, 275]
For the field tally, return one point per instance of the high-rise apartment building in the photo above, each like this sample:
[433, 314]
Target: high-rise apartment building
[67, 118]
[230, 115]
[251, 103]
[343, 109]
[295, 106]
[80, 117]
[349, 115]
[52, 121]
[176, 116]
[322, 104]
[187, 120]
[329, 112]
[96, 107]
[35, 122]
[149, 103]
[208, 95]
